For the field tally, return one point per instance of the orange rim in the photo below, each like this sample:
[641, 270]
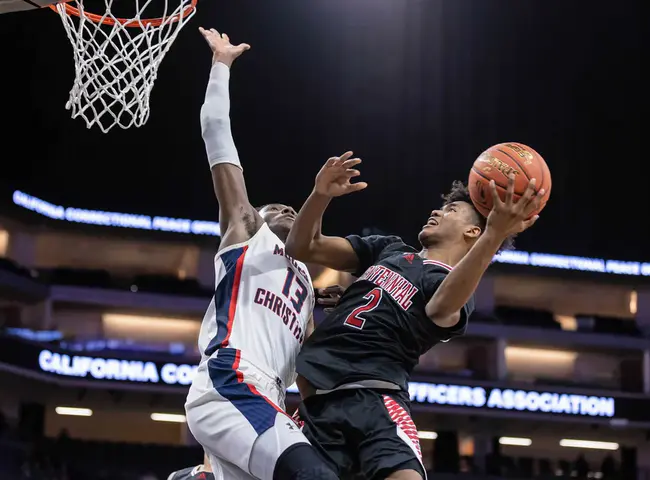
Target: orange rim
[153, 22]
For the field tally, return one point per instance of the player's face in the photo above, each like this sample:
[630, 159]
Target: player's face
[279, 218]
[449, 224]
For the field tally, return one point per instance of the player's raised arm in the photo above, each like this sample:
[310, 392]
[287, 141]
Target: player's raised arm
[506, 218]
[238, 218]
[306, 241]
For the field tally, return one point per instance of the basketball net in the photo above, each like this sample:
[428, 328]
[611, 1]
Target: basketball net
[117, 60]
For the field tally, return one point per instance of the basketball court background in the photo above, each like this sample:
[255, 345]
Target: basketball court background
[417, 89]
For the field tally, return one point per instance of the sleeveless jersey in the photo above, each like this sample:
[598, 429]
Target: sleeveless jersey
[380, 327]
[261, 306]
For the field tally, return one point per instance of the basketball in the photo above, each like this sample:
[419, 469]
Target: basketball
[497, 163]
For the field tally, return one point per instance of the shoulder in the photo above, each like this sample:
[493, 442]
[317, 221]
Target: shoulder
[433, 274]
[397, 245]
[374, 248]
[184, 474]
[263, 236]
[434, 266]
[374, 242]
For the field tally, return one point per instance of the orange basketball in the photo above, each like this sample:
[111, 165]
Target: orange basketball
[499, 161]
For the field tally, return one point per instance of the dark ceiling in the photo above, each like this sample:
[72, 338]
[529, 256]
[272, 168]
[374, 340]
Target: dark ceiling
[417, 88]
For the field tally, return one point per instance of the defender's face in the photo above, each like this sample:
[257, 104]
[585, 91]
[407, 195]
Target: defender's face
[447, 224]
[279, 217]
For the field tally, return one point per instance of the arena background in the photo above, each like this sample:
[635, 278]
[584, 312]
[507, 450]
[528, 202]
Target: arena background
[418, 89]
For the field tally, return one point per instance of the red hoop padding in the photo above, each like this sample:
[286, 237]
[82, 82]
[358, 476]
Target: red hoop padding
[153, 22]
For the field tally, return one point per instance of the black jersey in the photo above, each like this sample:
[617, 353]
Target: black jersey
[380, 327]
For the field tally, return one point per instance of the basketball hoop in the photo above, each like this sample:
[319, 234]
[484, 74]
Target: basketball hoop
[117, 59]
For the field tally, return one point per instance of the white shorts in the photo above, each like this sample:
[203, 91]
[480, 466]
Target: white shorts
[223, 470]
[236, 412]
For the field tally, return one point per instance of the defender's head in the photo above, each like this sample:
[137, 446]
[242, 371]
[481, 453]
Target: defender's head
[278, 217]
[456, 223]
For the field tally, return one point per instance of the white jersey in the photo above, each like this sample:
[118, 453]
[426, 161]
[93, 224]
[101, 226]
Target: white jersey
[262, 304]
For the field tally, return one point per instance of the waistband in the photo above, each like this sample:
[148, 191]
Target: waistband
[257, 373]
[378, 384]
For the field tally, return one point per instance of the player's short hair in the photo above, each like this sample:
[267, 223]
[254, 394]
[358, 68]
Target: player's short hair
[460, 193]
[259, 209]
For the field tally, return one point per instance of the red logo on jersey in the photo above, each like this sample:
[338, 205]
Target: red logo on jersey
[409, 257]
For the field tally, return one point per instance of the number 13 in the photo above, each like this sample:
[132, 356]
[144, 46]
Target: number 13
[301, 292]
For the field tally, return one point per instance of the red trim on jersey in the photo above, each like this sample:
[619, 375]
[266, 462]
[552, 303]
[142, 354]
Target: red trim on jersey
[232, 310]
[233, 297]
[254, 391]
[235, 366]
[440, 264]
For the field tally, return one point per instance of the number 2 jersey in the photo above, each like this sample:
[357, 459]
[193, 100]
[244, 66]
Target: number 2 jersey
[261, 306]
[379, 329]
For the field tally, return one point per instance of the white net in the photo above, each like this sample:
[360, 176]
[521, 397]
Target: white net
[117, 60]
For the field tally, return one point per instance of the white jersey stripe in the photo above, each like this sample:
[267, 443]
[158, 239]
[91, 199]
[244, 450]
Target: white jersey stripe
[440, 264]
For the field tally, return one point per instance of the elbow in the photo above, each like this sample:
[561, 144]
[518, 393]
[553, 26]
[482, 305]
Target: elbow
[436, 309]
[300, 247]
[296, 249]
[441, 315]
[290, 247]
[214, 116]
[213, 120]
[432, 309]
[448, 321]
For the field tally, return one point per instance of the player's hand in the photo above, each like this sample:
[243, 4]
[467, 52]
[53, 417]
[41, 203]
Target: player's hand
[333, 180]
[329, 297]
[509, 217]
[222, 50]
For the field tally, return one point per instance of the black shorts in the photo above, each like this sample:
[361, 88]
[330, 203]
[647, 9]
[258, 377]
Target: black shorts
[363, 432]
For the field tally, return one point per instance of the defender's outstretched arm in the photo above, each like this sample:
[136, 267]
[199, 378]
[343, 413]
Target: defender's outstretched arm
[237, 217]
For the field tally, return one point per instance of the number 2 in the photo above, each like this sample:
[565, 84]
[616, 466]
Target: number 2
[300, 293]
[355, 320]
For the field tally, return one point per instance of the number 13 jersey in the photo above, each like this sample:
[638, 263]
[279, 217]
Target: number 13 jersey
[261, 307]
[379, 329]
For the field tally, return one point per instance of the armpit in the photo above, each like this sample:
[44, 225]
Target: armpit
[251, 222]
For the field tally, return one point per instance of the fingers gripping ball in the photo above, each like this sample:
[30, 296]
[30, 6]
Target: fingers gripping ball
[499, 161]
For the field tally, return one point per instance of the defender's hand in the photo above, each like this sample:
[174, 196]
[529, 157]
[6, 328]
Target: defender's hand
[222, 50]
[333, 180]
[509, 217]
[330, 297]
